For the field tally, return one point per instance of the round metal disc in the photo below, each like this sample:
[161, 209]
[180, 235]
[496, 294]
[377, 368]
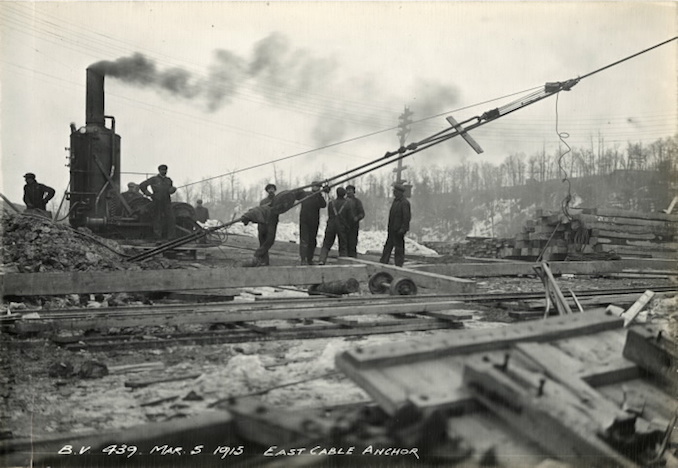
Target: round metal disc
[378, 282]
[403, 287]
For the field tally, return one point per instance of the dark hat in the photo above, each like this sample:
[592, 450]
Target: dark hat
[316, 182]
[399, 187]
[162, 166]
[268, 186]
[132, 184]
[350, 187]
[341, 192]
[199, 201]
[29, 175]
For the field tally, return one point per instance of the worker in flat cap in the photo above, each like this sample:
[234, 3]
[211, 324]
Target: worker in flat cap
[132, 192]
[309, 219]
[398, 224]
[202, 214]
[336, 226]
[266, 230]
[164, 222]
[36, 195]
[356, 212]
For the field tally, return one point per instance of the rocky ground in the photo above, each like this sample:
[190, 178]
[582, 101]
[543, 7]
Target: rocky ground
[47, 390]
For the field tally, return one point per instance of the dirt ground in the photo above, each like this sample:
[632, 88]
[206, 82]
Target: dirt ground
[42, 394]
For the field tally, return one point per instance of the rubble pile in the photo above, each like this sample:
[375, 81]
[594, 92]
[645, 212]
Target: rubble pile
[32, 244]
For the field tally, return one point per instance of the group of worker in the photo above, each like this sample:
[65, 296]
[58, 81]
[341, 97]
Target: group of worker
[344, 214]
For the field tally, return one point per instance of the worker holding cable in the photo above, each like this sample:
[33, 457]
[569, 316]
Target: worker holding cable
[336, 226]
[398, 224]
[309, 220]
[356, 212]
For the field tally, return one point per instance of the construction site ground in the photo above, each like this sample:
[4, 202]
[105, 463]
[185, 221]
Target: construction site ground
[43, 394]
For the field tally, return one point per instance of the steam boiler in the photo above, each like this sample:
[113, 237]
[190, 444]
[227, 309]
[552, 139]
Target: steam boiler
[95, 198]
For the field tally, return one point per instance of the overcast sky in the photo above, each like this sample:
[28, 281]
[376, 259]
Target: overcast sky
[229, 85]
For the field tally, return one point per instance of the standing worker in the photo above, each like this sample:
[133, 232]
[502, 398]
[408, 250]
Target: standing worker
[398, 225]
[309, 219]
[267, 230]
[336, 226]
[36, 195]
[356, 212]
[163, 216]
[202, 214]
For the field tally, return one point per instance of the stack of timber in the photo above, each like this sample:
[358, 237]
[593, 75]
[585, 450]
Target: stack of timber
[596, 234]
[544, 236]
[479, 247]
[630, 234]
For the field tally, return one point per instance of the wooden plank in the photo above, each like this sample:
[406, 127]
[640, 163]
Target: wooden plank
[627, 251]
[632, 229]
[81, 282]
[513, 268]
[658, 216]
[632, 312]
[549, 414]
[669, 210]
[616, 220]
[469, 341]
[230, 315]
[653, 352]
[140, 383]
[602, 233]
[422, 279]
[436, 383]
[468, 138]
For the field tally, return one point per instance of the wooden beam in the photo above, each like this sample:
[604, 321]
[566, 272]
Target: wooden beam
[480, 270]
[632, 312]
[477, 340]
[653, 352]
[422, 279]
[81, 282]
[550, 414]
[618, 220]
[658, 216]
[464, 134]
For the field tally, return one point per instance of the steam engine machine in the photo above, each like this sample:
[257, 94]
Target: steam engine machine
[96, 201]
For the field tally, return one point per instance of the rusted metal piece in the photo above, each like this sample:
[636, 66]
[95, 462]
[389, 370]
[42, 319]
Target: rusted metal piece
[336, 288]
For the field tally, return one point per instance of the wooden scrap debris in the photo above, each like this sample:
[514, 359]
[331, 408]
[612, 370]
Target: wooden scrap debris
[150, 381]
[633, 311]
[654, 352]
[560, 413]
[141, 367]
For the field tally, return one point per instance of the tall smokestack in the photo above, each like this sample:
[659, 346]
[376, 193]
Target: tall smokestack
[95, 97]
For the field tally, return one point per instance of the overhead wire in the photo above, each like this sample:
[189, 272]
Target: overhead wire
[416, 147]
[491, 137]
[515, 105]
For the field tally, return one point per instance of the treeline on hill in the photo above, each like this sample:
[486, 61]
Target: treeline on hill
[448, 201]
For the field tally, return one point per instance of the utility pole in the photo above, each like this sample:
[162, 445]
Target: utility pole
[403, 132]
